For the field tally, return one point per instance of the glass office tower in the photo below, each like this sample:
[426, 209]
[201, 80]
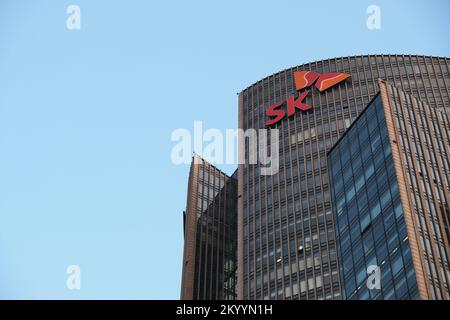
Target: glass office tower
[210, 226]
[286, 237]
[390, 190]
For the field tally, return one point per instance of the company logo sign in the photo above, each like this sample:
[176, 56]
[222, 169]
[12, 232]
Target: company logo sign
[303, 79]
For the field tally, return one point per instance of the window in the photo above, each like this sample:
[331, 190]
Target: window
[375, 210]
[365, 222]
[397, 265]
[375, 143]
[350, 193]
[369, 171]
[359, 183]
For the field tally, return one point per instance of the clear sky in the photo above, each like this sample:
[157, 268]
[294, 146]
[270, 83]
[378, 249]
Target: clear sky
[86, 115]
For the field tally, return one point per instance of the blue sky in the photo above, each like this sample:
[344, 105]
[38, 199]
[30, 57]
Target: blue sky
[86, 116]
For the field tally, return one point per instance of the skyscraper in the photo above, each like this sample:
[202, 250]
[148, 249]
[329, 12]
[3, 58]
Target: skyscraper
[286, 239]
[390, 181]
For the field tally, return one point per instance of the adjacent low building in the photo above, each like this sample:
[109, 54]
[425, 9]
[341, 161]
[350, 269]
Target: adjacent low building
[210, 226]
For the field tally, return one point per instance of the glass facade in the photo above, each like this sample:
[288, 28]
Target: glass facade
[369, 222]
[286, 228]
[389, 181]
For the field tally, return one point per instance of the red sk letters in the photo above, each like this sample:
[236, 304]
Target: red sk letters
[303, 79]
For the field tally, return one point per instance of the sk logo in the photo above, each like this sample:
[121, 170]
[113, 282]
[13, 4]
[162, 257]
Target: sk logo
[303, 79]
